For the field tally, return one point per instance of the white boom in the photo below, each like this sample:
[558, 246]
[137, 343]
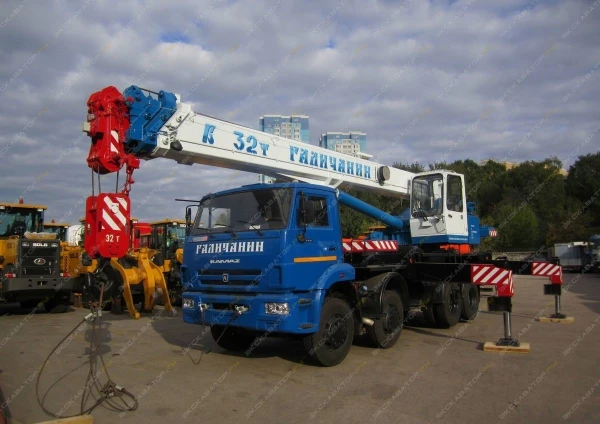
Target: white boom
[211, 141]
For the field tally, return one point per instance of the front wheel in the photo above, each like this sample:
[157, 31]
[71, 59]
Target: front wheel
[232, 338]
[386, 330]
[331, 344]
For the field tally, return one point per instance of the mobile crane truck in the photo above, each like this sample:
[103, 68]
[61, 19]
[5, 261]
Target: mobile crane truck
[270, 258]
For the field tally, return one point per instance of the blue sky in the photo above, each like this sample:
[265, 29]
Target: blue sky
[481, 79]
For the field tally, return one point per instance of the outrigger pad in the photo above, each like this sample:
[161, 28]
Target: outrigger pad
[557, 320]
[553, 289]
[494, 347]
[499, 304]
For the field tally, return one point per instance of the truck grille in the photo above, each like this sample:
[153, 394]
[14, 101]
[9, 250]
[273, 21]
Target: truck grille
[229, 277]
[39, 261]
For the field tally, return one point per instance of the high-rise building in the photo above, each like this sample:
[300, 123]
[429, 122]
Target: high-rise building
[294, 127]
[351, 143]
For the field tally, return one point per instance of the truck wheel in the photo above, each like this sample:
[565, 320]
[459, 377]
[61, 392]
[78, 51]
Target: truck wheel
[331, 344]
[386, 330]
[470, 301]
[429, 316]
[232, 338]
[448, 313]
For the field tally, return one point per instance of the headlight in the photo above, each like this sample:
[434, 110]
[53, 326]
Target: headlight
[25, 244]
[188, 303]
[277, 308]
[54, 245]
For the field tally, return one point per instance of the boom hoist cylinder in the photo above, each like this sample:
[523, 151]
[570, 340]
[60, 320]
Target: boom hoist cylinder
[108, 221]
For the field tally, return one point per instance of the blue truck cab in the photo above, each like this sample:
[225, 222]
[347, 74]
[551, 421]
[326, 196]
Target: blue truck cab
[260, 258]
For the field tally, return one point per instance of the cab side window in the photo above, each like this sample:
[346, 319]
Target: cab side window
[454, 201]
[316, 213]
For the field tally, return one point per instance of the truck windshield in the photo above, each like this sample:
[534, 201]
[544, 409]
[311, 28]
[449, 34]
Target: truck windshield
[264, 209]
[426, 199]
[16, 221]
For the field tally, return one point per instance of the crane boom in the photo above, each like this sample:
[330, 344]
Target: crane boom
[164, 126]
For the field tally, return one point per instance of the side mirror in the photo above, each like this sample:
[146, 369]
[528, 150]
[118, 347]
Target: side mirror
[137, 233]
[188, 220]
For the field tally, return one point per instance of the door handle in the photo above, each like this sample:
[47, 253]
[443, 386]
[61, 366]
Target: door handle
[332, 248]
[449, 216]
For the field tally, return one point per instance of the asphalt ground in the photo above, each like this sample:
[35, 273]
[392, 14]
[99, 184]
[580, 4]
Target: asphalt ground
[430, 376]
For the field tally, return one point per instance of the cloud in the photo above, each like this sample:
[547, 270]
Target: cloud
[424, 80]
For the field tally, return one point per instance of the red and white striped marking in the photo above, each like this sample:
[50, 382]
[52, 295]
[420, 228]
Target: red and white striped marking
[546, 269]
[371, 246]
[114, 141]
[491, 275]
[113, 213]
[493, 233]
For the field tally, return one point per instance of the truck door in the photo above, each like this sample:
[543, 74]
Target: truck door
[317, 245]
[455, 209]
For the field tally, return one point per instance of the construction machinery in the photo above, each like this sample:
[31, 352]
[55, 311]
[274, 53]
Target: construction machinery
[168, 238]
[128, 273]
[140, 237]
[30, 259]
[70, 253]
[59, 228]
[270, 258]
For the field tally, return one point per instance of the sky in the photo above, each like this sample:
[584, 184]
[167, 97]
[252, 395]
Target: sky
[427, 81]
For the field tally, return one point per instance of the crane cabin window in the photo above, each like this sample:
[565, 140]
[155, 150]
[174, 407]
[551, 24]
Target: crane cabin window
[244, 211]
[427, 199]
[454, 201]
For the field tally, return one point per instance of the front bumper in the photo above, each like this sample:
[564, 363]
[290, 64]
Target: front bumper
[302, 319]
[38, 285]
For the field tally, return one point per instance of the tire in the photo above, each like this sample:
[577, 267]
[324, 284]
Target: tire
[232, 338]
[448, 313]
[331, 344]
[429, 316]
[386, 330]
[470, 301]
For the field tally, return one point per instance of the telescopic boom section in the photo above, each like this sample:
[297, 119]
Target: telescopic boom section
[161, 125]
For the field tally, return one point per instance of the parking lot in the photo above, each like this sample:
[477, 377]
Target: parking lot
[431, 375]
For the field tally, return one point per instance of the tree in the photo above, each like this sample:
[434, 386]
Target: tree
[517, 226]
[583, 183]
[414, 167]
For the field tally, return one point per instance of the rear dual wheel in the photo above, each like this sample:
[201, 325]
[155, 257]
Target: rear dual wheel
[470, 301]
[447, 314]
[385, 332]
